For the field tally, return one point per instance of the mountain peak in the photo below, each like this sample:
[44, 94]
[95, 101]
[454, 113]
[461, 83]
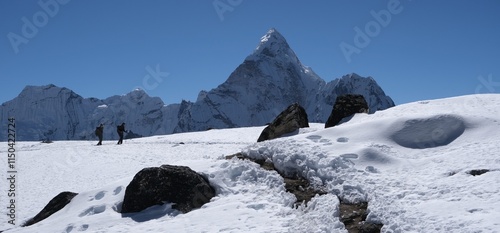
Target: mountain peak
[272, 36]
[273, 45]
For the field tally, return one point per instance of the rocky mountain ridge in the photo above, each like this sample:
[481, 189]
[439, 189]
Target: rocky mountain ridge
[268, 80]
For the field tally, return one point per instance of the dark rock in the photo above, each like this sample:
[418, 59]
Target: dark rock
[302, 189]
[167, 184]
[346, 106]
[478, 172]
[368, 227]
[288, 121]
[54, 205]
[354, 218]
[295, 185]
[238, 155]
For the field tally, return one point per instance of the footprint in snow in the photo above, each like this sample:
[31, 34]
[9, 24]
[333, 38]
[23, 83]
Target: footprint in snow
[117, 190]
[98, 196]
[343, 139]
[317, 138]
[69, 228]
[314, 138]
[83, 227]
[93, 210]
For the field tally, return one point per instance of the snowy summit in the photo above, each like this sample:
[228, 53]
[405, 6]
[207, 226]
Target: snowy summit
[264, 84]
[273, 44]
[428, 166]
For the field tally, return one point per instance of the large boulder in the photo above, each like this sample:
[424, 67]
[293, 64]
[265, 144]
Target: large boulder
[180, 185]
[54, 205]
[291, 119]
[346, 106]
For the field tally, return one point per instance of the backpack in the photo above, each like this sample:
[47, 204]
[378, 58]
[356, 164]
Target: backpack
[97, 131]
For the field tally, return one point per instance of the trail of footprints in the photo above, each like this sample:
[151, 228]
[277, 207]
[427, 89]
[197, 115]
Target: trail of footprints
[95, 209]
[326, 142]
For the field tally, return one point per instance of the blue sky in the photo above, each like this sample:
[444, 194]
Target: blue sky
[173, 49]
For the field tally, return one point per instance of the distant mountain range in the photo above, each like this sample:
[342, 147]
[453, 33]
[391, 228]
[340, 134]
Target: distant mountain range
[268, 80]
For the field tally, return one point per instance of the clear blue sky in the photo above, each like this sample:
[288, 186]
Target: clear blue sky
[427, 49]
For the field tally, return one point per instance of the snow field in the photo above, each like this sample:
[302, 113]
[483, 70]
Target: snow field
[411, 163]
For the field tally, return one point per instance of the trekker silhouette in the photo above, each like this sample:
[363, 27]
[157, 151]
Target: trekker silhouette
[99, 132]
[120, 129]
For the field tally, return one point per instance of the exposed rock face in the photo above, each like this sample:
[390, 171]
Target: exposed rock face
[345, 106]
[54, 205]
[167, 184]
[288, 121]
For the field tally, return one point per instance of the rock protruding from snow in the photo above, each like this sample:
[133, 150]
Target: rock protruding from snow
[180, 185]
[346, 106]
[54, 205]
[288, 121]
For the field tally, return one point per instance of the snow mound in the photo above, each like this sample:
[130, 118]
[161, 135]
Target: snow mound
[430, 132]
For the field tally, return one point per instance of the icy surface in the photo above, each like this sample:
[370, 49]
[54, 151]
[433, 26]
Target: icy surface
[411, 186]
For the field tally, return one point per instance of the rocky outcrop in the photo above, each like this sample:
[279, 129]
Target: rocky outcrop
[288, 121]
[54, 205]
[346, 106]
[167, 184]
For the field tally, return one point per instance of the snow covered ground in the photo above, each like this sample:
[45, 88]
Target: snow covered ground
[411, 163]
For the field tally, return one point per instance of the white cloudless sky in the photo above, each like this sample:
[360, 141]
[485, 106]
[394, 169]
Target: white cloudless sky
[415, 49]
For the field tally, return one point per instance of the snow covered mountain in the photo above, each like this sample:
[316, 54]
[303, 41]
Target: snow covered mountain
[268, 80]
[51, 112]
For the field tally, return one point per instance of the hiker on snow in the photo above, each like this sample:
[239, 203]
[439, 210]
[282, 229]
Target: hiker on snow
[98, 132]
[120, 129]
